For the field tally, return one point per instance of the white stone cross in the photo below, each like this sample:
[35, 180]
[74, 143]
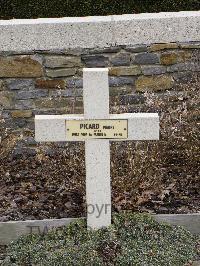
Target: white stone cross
[135, 126]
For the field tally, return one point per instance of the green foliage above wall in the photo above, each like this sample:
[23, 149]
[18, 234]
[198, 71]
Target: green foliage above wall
[66, 8]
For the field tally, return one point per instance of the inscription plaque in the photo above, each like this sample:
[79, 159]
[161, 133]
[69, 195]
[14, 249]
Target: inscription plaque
[97, 129]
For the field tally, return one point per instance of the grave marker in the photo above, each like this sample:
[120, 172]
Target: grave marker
[97, 127]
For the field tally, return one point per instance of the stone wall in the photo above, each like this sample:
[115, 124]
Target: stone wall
[50, 82]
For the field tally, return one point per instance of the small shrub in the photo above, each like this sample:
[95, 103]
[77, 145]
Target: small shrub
[133, 239]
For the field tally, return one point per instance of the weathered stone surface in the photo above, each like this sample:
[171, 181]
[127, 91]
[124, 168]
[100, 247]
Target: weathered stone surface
[121, 59]
[121, 81]
[95, 60]
[184, 55]
[132, 99]
[21, 114]
[6, 99]
[153, 70]
[112, 49]
[125, 71]
[116, 91]
[185, 77]
[172, 97]
[5, 114]
[24, 104]
[189, 221]
[67, 93]
[50, 84]
[155, 83]
[77, 51]
[2, 86]
[79, 102]
[21, 151]
[194, 45]
[65, 72]
[62, 51]
[145, 59]
[20, 66]
[53, 103]
[171, 58]
[29, 140]
[10, 231]
[162, 46]
[137, 48]
[188, 66]
[79, 72]
[74, 83]
[8, 123]
[57, 111]
[19, 84]
[23, 88]
[32, 94]
[66, 33]
[168, 58]
[62, 61]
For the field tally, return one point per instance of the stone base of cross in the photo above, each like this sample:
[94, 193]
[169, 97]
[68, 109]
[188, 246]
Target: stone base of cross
[97, 127]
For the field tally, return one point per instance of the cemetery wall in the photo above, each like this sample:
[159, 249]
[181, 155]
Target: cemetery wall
[41, 64]
[51, 83]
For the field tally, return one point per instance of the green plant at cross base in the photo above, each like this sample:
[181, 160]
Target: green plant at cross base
[132, 239]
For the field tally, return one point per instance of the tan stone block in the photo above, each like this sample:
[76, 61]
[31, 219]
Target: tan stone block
[162, 46]
[50, 83]
[6, 99]
[64, 72]
[21, 114]
[154, 83]
[168, 58]
[171, 58]
[125, 71]
[62, 61]
[20, 67]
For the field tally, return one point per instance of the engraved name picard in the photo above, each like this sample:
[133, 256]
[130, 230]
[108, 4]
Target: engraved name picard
[97, 129]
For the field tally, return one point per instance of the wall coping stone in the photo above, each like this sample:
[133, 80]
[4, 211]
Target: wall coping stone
[25, 35]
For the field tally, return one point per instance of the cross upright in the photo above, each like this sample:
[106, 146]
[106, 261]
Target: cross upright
[97, 127]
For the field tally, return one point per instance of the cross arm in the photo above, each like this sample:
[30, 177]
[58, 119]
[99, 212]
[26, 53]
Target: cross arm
[52, 128]
[141, 126]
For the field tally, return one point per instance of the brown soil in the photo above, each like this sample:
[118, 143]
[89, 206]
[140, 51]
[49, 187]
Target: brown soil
[41, 187]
